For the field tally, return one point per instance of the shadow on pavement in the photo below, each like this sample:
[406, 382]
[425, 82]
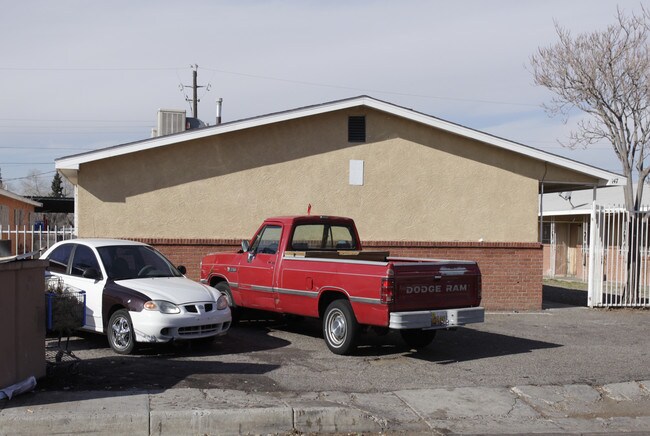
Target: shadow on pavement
[463, 344]
[555, 297]
[468, 344]
[99, 372]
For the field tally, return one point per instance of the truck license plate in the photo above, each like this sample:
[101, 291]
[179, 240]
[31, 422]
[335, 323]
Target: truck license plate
[438, 319]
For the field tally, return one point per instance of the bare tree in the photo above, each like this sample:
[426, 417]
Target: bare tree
[34, 184]
[605, 74]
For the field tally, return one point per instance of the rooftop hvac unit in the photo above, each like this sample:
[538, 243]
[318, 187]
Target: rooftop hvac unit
[170, 121]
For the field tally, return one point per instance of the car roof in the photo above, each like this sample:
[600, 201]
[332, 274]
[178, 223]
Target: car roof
[98, 242]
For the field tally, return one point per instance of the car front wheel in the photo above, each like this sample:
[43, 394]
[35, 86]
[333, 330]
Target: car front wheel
[120, 332]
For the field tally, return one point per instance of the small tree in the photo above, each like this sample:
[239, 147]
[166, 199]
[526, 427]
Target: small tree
[605, 74]
[2, 185]
[57, 186]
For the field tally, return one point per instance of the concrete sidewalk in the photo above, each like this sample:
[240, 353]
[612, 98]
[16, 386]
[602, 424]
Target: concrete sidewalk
[569, 409]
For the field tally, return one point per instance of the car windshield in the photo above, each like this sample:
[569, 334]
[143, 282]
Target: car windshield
[123, 262]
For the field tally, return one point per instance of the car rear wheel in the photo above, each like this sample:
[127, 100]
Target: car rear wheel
[340, 327]
[121, 337]
[418, 339]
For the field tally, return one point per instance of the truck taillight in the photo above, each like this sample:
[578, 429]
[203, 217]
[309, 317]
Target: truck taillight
[387, 290]
[480, 286]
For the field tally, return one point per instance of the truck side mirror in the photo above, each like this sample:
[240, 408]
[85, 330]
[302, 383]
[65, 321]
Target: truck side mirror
[245, 246]
[181, 269]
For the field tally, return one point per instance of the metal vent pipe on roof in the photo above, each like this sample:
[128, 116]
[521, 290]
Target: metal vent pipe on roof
[219, 102]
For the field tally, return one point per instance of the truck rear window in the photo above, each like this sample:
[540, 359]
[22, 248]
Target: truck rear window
[322, 237]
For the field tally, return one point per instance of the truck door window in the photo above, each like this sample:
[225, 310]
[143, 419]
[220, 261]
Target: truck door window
[322, 237]
[268, 240]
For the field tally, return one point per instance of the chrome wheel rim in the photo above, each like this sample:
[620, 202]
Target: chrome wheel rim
[121, 332]
[336, 327]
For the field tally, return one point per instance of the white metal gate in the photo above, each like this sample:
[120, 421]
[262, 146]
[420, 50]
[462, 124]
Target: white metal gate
[24, 240]
[619, 270]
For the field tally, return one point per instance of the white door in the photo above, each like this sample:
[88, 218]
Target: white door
[69, 262]
[84, 258]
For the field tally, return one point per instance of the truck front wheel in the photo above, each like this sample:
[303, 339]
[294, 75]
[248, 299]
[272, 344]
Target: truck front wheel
[340, 327]
[224, 288]
[418, 338]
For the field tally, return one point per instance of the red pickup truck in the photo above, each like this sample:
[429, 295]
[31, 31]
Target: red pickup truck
[314, 266]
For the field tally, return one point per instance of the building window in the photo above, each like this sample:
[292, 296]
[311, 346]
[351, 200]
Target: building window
[4, 216]
[357, 129]
[19, 217]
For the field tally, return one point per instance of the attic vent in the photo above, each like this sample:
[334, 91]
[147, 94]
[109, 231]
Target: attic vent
[357, 129]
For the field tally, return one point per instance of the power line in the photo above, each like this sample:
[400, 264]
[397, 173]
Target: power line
[45, 132]
[27, 163]
[89, 68]
[370, 90]
[73, 120]
[10, 147]
[37, 175]
[277, 79]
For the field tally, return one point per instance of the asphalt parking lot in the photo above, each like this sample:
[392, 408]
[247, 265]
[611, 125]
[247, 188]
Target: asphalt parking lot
[559, 345]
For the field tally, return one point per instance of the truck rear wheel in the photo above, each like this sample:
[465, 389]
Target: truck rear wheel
[418, 338]
[340, 327]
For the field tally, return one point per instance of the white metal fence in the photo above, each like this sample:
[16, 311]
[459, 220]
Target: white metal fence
[619, 267]
[20, 240]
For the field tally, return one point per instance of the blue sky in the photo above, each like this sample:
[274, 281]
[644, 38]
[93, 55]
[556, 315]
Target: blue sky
[79, 75]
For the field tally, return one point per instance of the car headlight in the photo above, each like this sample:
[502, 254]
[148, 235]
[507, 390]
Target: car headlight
[222, 302]
[162, 306]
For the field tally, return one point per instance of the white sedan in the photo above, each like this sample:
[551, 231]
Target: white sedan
[134, 294]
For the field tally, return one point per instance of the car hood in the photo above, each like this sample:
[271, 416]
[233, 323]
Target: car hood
[177, 290]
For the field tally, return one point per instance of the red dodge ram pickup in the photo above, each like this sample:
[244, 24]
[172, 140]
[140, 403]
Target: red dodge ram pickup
[314, 266]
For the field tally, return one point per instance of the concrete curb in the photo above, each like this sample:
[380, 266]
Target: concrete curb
[620, 407]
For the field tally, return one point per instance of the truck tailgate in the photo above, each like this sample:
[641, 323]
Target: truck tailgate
[429, 284]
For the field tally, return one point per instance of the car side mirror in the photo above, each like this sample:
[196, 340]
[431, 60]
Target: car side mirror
[91, 273]
[245, 246]
[181, 269]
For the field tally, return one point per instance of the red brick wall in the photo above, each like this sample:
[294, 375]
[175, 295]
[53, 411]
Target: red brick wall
[512, 272]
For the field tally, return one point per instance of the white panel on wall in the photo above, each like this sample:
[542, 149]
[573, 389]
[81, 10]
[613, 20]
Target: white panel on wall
[356, 172]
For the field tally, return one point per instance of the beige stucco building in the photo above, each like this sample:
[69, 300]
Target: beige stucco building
[408, 179]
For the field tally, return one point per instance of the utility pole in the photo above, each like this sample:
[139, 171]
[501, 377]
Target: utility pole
[195, 99]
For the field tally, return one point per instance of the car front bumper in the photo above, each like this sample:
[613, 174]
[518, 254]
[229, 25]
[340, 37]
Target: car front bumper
[436, 319]
[152, 326]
